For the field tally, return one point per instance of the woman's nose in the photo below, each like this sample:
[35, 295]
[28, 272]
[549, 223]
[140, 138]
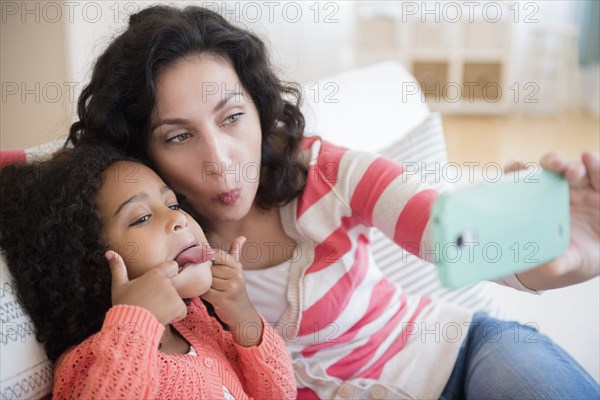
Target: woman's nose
[217, 160]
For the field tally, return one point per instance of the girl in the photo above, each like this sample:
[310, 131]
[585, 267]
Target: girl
[137, 329]
[196, 96]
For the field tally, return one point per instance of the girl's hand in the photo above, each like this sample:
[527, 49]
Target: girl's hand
[581, 259]
[229, 298]
[152, 291]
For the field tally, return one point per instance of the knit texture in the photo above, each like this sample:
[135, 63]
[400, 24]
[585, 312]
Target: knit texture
[123, 361]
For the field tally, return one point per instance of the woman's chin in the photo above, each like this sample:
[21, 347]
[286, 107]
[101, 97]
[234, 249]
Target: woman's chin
[230, 213]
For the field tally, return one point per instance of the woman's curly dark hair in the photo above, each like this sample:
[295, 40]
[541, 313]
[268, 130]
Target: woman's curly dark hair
[51, 236]
[118, 101]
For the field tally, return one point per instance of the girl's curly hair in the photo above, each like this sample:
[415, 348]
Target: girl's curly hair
[51, 236]
[118, 101]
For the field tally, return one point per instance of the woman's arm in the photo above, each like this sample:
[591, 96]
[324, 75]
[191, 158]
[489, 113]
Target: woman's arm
[375, 191]
[120, 361]
[382, 194]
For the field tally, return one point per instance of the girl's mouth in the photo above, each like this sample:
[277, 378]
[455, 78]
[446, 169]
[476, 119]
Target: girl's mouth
[195, 254]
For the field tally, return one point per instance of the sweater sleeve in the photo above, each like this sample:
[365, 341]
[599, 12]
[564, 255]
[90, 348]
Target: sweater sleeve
[266, 369]
[382, 194]
[120, 361]
[376, 191]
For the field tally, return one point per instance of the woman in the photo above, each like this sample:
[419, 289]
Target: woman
[196, 98]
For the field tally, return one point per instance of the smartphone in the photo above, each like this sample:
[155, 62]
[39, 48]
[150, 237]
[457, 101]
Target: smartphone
[489, 230]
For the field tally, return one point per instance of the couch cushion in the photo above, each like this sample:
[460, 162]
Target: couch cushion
[26, 372]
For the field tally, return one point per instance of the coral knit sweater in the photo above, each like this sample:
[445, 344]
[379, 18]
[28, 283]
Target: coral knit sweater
[123, 361]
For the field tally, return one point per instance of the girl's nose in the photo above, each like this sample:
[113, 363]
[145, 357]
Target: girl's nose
[176, 220]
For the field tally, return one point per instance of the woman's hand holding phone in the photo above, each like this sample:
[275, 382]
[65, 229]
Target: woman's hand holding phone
[581, 260]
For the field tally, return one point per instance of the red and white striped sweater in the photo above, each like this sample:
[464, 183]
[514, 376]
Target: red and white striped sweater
[350, 331]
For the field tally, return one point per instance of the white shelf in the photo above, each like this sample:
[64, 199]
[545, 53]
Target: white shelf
[447, 55]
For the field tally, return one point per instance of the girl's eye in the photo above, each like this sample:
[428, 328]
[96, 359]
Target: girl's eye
[175, 207]
[178, 138]
[233, 118]
[141, 220]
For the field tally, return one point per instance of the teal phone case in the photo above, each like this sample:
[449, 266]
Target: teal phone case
[490, 230]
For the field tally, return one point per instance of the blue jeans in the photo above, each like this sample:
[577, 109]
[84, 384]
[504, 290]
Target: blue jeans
[507, 360]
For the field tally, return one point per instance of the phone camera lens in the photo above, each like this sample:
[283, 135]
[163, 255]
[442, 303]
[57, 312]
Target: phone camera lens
[459, 241]
[467, 236]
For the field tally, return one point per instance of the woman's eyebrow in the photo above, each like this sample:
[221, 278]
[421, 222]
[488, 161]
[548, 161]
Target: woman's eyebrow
[135, 198]
[226, 98]
[182, 121]
[169, 121]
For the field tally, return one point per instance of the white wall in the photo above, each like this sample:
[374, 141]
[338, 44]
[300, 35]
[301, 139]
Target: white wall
[35, 104]
[307, 41]
[590, 89]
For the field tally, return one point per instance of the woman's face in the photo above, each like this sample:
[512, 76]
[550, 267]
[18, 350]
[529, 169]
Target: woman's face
[206, 137]
[143, 223]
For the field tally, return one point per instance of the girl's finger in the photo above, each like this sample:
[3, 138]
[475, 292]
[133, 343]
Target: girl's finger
[117, 268]
[227, 260]
[168, 269]
[236, 247]
[220, 256]
[210, 295]
[221, 271]
[181, 311]
[220, 285]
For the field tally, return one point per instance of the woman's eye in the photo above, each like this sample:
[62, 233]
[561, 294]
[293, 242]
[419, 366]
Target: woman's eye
[178, 138]
[174, 207]
[233, 118]
[141, 220]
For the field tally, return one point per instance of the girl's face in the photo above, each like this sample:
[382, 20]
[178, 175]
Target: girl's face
[143, 223]
[206, 137]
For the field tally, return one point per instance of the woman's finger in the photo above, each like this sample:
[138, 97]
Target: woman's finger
[592, 165]
[514, 166]
[554, 161]
[575, 174]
